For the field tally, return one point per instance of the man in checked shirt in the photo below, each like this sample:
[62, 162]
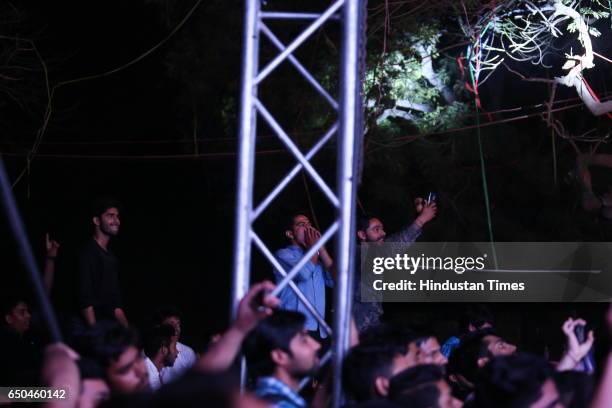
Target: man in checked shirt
[370, 229]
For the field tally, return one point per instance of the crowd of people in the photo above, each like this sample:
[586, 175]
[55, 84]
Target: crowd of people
[104, 361]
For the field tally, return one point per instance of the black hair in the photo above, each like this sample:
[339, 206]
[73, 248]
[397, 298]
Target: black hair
[390, 335]
[274, 332]
[464, 359]
[90, 369]
[106, 341]
[417, 386]
[476, 315]
[164, 312]
[157, 337]
[10, 302]
[103, 203]
[363, 222]
[513, 381]
[362, 365]
[422, 334]
[290, 219]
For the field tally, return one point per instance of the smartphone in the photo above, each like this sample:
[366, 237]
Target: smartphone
[431, 197]
[580, 333]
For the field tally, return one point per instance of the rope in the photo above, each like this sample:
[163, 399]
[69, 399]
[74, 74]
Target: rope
[594, 95]
[51, 91]
[483, 172]
[311, 207]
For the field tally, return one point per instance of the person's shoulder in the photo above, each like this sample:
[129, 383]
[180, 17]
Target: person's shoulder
[185, 349]
[88, 245]
[150, 365]
[277, 394]
[287, 252]
[90, 248]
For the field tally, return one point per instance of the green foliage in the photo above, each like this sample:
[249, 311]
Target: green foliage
[596, 14]
[592, 14]
[443, 117]
[397, 78]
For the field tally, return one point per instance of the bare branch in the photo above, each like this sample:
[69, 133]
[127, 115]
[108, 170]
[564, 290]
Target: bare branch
[429, 73]
[406, 104]
[394, 112]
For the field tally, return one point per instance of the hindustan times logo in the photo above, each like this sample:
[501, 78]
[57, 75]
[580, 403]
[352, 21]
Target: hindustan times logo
[411, 264]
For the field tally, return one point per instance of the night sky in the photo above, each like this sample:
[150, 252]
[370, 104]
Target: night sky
[177, 225]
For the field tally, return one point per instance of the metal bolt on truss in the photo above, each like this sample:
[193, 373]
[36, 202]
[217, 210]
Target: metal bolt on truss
[347, 129]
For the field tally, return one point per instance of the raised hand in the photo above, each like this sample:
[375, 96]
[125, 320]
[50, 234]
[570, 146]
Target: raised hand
[250, 313]
[51, 247]
[312, 236]
[576, 350]
[427, 211]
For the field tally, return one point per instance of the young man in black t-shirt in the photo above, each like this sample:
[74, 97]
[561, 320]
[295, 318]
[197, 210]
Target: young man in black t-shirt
[99, 295]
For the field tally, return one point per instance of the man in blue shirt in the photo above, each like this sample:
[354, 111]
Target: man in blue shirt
[312, 278]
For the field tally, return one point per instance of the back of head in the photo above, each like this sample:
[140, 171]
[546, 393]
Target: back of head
[362, 365]
[274, 332]
[389, 335]
[478, 316]
[464, 360]
[106, 341]
[513, 381]
[90, 369]
[417, 387]
[422, 333]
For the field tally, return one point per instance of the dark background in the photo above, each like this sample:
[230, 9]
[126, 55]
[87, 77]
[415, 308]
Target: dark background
[178, 220]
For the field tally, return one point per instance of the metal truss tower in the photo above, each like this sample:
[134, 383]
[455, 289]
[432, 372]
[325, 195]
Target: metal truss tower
[348, 130]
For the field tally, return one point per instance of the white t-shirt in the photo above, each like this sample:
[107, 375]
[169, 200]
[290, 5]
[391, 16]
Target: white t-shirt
[184, 361]
[154, 376]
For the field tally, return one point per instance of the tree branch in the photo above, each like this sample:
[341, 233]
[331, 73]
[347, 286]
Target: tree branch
[429, 73]
[406, 104]
[574, 77]
[397, 113]
[596, 107]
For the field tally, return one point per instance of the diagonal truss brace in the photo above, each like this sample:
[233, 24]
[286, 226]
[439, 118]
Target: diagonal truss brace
[349, 131]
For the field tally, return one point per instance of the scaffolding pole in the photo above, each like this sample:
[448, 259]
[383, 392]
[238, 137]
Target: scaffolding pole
[349, 139]
[349, 131]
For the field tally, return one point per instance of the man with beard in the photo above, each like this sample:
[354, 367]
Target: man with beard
[281, 354]
[99, 296]
[371, 230]
[160, 349]
[312, 278]
[186, 356]
[115, 349]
